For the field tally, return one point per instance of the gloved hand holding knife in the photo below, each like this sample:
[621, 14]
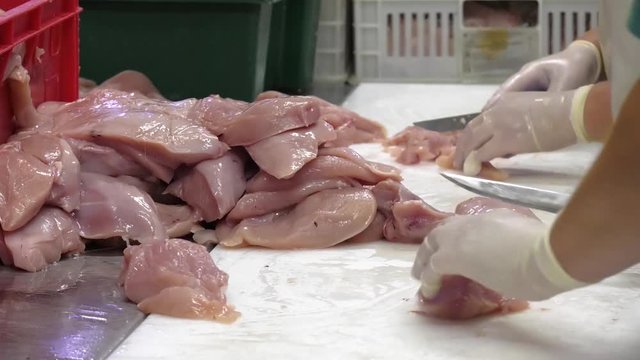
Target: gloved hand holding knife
[549, 104]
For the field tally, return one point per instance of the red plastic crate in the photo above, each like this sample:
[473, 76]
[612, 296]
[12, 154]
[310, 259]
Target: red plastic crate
[49, 25]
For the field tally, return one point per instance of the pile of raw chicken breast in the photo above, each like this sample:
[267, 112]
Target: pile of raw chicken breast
[167, 178]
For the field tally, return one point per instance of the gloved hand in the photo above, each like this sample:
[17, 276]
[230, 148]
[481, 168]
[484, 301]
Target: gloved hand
[504, 251]
[577, 65]
[524, 122]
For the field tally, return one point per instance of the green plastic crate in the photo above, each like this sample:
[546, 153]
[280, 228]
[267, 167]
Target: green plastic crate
[188, 48]
[198, 47]
[293, 46]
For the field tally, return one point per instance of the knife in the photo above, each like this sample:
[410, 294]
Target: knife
[540, 199]
[450, 123]
[73, 309]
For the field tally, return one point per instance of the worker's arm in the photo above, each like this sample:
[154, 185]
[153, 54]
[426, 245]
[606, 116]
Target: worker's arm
[598, 234]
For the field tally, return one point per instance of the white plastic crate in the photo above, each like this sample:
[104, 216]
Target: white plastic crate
[331, 44]
[400, 40]
[426, 40]
[561, 21]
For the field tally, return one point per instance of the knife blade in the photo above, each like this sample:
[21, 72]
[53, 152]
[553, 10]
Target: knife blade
[74, 309]
[450, 123]
[540, 199]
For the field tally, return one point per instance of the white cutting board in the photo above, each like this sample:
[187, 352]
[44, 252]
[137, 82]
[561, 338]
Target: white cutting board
[355, 302]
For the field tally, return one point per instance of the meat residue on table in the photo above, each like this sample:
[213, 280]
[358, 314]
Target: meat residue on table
[169, 177]
[414, 145]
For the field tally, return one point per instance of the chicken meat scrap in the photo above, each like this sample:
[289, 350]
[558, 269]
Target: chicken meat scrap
[178, 278]
[58, 154]
[212, 187]
[407, 218]
[269, 117]
[284, 154]
[112, 208]
[42, 241]
[414, 145]
[350, 127]
[331, 163]
[25, 186]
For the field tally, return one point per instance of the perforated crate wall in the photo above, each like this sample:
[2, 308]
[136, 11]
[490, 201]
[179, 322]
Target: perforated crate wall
[421, 40]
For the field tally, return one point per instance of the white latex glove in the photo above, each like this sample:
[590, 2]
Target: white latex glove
[524, 122]
[577, 65]
[502, 250]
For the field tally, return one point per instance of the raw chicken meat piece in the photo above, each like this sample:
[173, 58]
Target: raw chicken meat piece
[408, 218]
[415, 144]
[152, 186]
[110, 208]
[216, 113]
[373, 232]
[270, 117]
[104, 160]
[350, 127]
[179, 220]
[379, 169]
[271, 94]
[321, 168]
[212, 187]
[25, 185]
[25, 114]
[322, 220]
[85, 86]
[284, 154]
[149, 131]
[205, 237]
[177, 278]
[56, 152]
[462, 298]
[147, 161]
[264, 202]
[326, 167]
[50, 234]
[129, 81]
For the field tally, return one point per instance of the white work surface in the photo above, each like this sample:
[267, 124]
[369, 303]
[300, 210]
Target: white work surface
[356, 302]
